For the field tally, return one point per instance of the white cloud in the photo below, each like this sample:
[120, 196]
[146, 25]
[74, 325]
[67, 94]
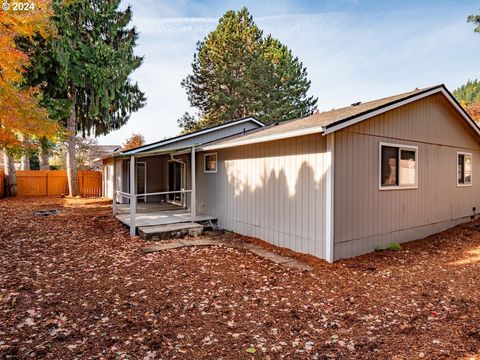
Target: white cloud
[350, 57]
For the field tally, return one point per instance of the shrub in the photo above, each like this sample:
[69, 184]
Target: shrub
[394, 247]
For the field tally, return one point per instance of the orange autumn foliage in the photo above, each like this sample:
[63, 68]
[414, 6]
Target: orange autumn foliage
[472, 109]
[134, 141]
[21, 116]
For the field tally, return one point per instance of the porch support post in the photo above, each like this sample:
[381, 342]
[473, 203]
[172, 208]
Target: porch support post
[133, 198]
[193, 202]
[114, 196]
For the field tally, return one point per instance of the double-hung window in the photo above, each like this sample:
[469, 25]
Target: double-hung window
[210, 163]
[398, 166]
[464, 169]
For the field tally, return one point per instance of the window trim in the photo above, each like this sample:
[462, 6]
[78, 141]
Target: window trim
[400, 148]
[456, 174]
[205, 163]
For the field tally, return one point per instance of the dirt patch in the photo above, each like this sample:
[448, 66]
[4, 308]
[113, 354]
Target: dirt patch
[75, 285]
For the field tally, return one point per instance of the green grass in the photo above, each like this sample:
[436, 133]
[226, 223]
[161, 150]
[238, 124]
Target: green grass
[394, 247]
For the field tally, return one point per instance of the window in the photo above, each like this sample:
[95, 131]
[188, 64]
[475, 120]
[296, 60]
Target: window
[398, 166]
[210, 163]
[464, 169]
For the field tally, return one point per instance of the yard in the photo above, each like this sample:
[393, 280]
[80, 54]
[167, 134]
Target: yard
[74, 285]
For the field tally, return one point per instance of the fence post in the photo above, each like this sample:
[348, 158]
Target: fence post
[47, 175]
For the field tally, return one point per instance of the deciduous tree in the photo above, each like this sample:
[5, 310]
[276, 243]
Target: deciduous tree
[134, 141]
[468, 92]
[21, 116]
[468, 95]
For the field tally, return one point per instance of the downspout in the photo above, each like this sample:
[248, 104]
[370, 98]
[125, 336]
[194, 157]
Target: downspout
[184, 166]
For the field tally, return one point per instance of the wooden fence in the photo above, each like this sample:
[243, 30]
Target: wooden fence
[2, 184]
[54, 182]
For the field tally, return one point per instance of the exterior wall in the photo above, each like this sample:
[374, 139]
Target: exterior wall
[366, 217]
[274, 191]
[157, 175]
[107, 173]
[108, 177]
[212, 136]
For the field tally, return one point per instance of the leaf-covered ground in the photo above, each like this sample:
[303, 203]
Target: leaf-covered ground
[75, 285]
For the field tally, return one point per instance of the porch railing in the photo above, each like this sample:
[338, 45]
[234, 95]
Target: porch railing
[129, 196]
[133, 200]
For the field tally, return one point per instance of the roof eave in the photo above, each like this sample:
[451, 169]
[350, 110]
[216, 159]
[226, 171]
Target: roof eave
[267, 138]
[145, 148]
[439, 89]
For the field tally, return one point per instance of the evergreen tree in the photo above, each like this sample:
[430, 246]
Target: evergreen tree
[84, 71]
[188, 123]
[468, 93]
[476, 20]
[237, 72]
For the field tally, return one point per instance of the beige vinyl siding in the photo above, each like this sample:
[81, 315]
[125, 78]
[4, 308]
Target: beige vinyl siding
[366, 217]
[107, 180]
[274, 191]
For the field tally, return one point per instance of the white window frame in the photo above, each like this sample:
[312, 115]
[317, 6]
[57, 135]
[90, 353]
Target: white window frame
[400, 148]
[456, 174]
[205, 163]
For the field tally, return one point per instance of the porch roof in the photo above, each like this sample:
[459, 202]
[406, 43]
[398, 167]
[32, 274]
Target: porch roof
[168, 145]
[154, 152]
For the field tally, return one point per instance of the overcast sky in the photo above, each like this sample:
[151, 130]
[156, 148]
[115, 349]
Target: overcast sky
[354, 50]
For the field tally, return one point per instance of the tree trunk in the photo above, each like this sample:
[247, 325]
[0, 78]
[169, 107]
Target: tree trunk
[71, 151]
[44, 156]
[25, 162]
[10, 174]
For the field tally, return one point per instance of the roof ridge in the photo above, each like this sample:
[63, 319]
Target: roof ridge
[406, 93]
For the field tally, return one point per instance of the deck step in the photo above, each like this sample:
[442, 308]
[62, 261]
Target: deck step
[169, 231]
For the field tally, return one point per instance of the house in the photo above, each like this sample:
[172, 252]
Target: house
[335, 184]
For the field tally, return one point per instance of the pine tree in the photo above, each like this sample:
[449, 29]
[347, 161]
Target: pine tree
[237, 72]
[468, 93]
[84, 71]
[476, 20]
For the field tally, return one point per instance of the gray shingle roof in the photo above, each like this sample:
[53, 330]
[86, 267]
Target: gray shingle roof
[325, 119]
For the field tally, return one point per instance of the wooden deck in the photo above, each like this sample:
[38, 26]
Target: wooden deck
[153, 214]
[147, 207]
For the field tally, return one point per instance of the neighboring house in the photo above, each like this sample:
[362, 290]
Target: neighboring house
[335, 184]
[100, 152]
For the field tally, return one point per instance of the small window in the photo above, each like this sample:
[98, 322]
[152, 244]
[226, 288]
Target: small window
[464, 169]
[398, 166]
[210, 163]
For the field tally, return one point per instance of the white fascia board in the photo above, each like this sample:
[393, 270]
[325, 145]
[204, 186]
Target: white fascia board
[188, 136]
[266, 138]
[442, 90]
[259, 123]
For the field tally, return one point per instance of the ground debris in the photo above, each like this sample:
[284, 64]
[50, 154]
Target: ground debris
[75, 285]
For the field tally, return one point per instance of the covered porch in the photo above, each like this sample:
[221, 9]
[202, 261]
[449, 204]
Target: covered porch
[157, 190]
[153, 214]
